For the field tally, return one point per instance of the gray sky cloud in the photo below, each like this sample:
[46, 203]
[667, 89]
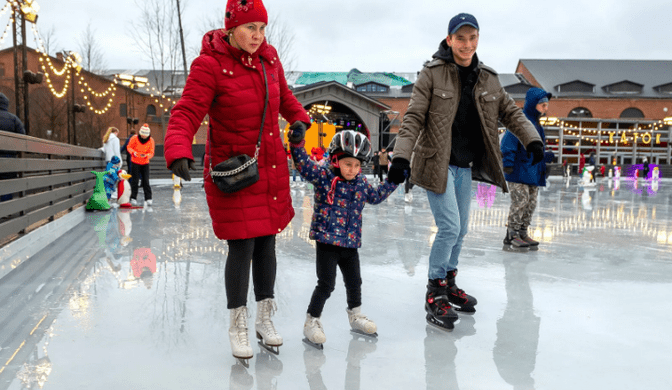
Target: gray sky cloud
[397, 35]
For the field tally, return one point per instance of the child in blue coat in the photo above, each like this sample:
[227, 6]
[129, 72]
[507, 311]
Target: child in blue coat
[111, 177]
[341, 192]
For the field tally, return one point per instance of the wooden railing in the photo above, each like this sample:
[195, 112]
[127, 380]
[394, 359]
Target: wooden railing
[43, 179]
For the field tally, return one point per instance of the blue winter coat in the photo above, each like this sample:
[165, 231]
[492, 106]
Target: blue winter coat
[514, 153]
[111, 177]
[9, 122]
[337, 217]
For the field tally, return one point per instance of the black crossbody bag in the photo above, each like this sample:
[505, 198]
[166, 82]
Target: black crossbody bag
[240, 171]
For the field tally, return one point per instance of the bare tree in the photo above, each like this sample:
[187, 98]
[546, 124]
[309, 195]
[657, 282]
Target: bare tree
[278, 34]
[91, 52]
[156, 32]
[49, 41]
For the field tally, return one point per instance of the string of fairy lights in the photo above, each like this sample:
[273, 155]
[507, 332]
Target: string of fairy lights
[650, 133]
[71, 70]
[644, 132]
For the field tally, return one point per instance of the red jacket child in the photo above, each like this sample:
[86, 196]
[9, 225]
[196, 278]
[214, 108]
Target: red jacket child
[141, 151]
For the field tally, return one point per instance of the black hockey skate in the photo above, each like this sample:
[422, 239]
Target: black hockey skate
[437, 306]
[461, 301]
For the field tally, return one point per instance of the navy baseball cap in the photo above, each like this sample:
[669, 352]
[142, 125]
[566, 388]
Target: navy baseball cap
[460, 20]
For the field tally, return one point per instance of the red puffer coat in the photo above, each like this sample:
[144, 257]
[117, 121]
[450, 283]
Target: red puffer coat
[228, 84]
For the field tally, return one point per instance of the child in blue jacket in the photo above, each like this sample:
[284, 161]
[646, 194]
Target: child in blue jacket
[111, 177]
[341, 192]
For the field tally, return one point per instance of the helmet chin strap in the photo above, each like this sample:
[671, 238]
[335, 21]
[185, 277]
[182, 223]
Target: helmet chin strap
[334, 161]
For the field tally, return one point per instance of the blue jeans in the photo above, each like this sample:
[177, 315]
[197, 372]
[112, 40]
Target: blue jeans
[451, 215]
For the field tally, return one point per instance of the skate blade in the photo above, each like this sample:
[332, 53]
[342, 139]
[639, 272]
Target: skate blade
[373, 335]
[274, 349]
[439, 325]
[511, 248]
[244, 361]
[470, 311]
[312, 344]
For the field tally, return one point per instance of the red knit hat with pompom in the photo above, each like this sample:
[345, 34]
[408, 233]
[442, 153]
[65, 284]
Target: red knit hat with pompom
[244, 11]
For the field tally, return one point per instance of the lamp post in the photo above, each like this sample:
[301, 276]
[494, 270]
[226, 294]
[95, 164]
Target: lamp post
[23, 10]
[73, 61]
[320, 110]
[133, 82]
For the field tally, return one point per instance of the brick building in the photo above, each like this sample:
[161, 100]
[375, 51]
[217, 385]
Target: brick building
[106, 103]
[603, 88]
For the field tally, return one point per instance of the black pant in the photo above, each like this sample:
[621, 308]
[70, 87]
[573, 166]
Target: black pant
[408, 186]
[137, 171]
[260, 251]
[383, 168]
[328, 257]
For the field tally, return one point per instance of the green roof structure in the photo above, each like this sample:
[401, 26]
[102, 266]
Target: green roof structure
[354, 76]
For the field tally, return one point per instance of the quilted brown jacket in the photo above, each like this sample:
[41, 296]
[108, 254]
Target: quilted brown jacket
[425, 140]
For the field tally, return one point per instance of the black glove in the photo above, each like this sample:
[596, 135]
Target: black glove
[399, 170]
[181, 167]
[296, 132]
[537, 150]
[508, 170]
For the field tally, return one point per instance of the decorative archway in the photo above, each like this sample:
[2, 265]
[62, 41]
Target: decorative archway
[366, 109]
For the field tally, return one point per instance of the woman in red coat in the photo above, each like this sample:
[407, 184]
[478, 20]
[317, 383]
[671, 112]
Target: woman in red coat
[227, 83]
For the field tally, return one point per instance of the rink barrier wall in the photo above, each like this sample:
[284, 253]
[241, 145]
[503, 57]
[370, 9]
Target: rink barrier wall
[46, 179]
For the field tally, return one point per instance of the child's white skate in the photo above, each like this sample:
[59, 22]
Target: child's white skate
[314, 333]
[360, 324]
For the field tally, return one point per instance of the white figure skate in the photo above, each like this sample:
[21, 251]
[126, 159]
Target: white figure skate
[238, 336]
[360, 324]
[314, 333]
[266, 333]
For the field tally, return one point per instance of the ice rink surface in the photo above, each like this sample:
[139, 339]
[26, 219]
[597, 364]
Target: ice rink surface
[136, 299]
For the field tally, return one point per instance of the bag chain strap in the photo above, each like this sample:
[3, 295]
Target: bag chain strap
[256, 151]
[233, 172]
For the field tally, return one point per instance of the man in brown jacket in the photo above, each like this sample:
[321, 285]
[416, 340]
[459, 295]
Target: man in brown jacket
[451, 132]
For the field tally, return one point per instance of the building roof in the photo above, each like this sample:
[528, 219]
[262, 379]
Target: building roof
[602, 78]
[172, 82]
[353, 76]
[325, 84]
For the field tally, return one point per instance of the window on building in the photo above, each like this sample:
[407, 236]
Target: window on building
[580, 112]
[372, 87]
[517, 88]
[122, 110]
[664, 88]
[151, 110]
[623, 88]
[576, 86]
[632, 112]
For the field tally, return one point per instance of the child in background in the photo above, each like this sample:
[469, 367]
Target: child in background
[141, 147]
[340, 195]
[111, 177]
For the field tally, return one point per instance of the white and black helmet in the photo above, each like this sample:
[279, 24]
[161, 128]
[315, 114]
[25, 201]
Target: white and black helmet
[350, 143]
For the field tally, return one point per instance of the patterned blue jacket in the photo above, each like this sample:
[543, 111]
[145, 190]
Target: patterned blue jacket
[337, 217]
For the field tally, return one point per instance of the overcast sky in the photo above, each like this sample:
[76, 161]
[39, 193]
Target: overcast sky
[395, 35]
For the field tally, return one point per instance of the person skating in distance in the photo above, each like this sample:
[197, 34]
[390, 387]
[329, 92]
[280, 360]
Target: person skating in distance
[523, 177]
